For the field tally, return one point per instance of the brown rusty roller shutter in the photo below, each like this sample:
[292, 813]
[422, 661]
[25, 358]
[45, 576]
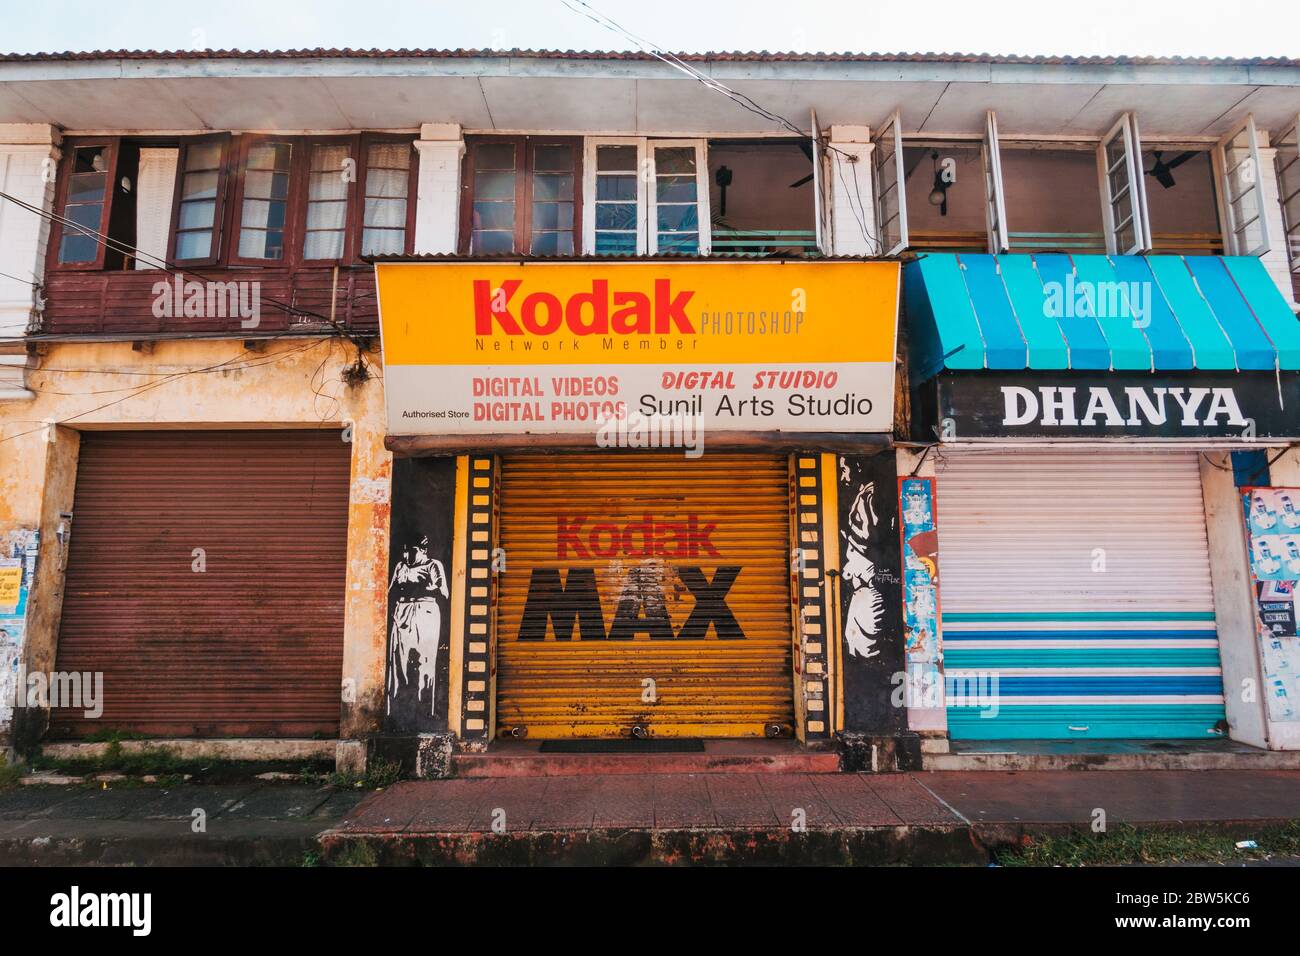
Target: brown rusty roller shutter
[250, 646]
[644, 590]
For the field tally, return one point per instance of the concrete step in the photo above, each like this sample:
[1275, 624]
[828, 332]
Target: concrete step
[524, 759]
[1104, 760]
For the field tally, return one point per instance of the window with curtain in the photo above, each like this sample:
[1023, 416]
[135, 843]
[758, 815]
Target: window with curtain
[328, 181]
[264, 216]
[387, 187]
[198, 201]
[523, 195]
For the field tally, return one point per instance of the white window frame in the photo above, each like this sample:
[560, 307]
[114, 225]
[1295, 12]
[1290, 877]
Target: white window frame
[647, 232]
[1286, 158]
[1129, 170]
[1234, 240]
[889, 137]
[995, 203]
[821, 196]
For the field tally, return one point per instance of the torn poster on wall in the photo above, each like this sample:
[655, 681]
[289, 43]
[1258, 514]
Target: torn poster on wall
[1273, 535]
[920, 580]
[17, 570]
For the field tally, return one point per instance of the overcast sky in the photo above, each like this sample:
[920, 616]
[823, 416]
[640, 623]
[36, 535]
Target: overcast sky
[1135, 27]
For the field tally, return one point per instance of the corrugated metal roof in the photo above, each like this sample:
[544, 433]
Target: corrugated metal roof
[741, 56]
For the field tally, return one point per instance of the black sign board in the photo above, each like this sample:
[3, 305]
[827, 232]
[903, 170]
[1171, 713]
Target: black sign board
[1062, 405]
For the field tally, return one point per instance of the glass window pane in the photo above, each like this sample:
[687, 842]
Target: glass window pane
[272, 156]
[615, 215]
[196, 215]
[199, 185]
[331, 158]
[553, 159]
[326, 185]
[193, 245]
[552, 215]
[678, 218]
[379, 242]
[492, 241]
[386, 212]
[552, 244]
[675, 189]
[494, 185]
[327, 215]
[675, 159]
[615, 243]
[322, 245]
[261, 244]
[686, 243]
[494, 156]
[389, 156]
[616, 187]
[86, 187]
[616, 158]
[78, 248]
[202, 156]
[387, 182]
[552, 186]
[87, 215]
[494, 215]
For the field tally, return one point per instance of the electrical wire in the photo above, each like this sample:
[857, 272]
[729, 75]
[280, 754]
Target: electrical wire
[164, 265]
[740, 99]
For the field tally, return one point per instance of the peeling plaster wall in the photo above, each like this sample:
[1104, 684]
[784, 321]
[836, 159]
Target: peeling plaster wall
[219, 384]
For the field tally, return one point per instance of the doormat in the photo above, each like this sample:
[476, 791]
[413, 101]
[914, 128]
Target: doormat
[625, 745]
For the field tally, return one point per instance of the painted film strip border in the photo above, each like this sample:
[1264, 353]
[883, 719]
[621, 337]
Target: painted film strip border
[480, 519]
[810, 568]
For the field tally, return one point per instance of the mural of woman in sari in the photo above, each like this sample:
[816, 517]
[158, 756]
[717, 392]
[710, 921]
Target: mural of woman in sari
[417, 582]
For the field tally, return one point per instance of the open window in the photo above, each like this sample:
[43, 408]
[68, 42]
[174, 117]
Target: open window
[1182, 207]
[1241, 200]
[198, 204]
[96, 197]
[1119, 176]
[646, 196]
[944, 196]
[1053, 199]
[889, 182]
[763, 197]
[995, 205]
[1287, 157]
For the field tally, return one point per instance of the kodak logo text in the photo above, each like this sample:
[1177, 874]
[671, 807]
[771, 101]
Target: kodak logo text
[598, 312]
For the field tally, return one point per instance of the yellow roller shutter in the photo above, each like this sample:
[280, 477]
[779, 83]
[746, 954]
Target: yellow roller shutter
[644, 590]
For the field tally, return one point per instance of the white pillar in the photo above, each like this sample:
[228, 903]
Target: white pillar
[29, 156]
[437, 211]
[853, 215]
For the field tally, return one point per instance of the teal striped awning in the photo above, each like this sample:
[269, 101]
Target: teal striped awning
[1096, 312]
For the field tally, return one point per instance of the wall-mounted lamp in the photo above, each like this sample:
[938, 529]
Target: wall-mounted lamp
[939, 194]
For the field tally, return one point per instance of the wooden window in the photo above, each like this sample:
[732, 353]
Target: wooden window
[198, 207]
[264, 199]
[387, 190]
[87, 187]
[522, 195]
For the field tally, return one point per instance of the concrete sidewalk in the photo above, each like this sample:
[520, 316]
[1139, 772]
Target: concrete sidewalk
[717, 818]
[927, 817]
[242, 824]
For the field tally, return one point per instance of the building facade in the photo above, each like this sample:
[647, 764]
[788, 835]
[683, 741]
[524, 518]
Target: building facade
[504, 400]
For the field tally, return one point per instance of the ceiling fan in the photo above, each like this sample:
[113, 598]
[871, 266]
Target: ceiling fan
[1163, 172]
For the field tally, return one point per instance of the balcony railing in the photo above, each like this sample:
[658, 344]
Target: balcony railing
[756, 243]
